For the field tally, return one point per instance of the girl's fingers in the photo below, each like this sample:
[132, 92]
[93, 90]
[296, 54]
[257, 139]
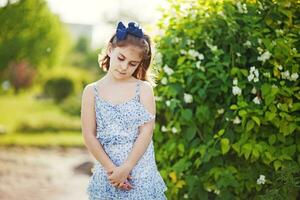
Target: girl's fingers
[115, 184]
[121, 185]
[129, 177]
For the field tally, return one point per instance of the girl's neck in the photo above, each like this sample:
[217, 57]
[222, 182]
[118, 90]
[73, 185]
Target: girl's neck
[111, 79]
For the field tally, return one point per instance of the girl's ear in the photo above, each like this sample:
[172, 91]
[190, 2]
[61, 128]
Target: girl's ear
[109, 50]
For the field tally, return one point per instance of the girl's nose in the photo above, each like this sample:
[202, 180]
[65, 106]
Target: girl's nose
[124, 66]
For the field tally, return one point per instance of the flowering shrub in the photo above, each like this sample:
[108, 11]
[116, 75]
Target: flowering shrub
[228, 99]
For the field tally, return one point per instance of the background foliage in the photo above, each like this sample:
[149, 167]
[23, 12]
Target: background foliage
[228, 105]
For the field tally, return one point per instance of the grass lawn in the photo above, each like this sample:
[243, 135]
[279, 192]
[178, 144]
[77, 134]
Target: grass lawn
[61, 139]
[16, 109]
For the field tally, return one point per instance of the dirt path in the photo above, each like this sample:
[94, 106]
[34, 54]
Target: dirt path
[42, 174]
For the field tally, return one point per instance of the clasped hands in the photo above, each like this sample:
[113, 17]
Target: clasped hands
[119, 176]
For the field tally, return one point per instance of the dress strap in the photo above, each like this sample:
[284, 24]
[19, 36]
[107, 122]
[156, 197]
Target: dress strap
[137, 91]
[96, 89]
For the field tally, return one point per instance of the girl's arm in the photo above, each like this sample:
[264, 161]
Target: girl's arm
[146, 131]
[88, 125]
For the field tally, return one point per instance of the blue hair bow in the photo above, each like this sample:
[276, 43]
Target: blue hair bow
[133, 29]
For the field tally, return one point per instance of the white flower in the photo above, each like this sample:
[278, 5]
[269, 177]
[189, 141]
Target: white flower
[213, 48]
[250, 77]
[285, 75]
[260, 50]
[279, 67]
[259, 41]
[176, 39]
[193, 53]
[236, 90]
[254, 74]
[220, 111]
[168, 103]
[188, 98]
[174, 130]
[198, 64]
[265, 56]
[158, 58]
[183, 51]
[164, 129]
[253, 91]
[200, 56]
[164, 80]
[158, 98]
[217, 192]
[221, 13]
[256, 100]
[190, 42]
[294, 50]
[241, 8]
[252, 69]
[294, 76]
[235, 81]
[238, 54]
[247, 44]
[168, 70]
[261, 180]
[236, 120]
[185, 196]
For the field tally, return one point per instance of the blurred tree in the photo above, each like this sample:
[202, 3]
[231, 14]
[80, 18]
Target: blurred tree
[82, 45]
[30, 33]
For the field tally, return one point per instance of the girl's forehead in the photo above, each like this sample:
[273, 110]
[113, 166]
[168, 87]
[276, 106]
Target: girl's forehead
[130, 52]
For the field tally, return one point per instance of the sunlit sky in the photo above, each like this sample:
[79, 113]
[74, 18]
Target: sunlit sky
[95, 12]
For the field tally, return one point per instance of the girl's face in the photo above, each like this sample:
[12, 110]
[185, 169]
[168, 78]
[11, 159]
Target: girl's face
[124, 61]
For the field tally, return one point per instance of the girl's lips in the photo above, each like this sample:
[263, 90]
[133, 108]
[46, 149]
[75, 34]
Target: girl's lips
[122, 73]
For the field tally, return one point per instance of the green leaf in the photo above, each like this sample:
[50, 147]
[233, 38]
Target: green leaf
[246, 150]
[190, 133]
[272, 139]
[225, 145]
[277, 164]
[242, 113]
[221, 132]
[256, 119]
[254, 155]
[266, 89]
[187, 114]
[181, 148]
[233, 107]
[250, 125]
[270, 115]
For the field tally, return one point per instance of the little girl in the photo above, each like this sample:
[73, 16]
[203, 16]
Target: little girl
[118, 118]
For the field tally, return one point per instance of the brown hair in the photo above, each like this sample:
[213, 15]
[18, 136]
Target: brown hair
[144, 70]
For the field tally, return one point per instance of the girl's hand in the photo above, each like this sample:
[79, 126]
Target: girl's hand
[118, 177]
[125, 186]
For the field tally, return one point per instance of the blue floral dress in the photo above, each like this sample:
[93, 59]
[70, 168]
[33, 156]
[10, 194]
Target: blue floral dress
[117, 130]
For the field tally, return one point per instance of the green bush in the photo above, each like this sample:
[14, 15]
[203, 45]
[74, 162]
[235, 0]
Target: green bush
[58, 88]
[72, 105]
[228, 105]
[49, 124]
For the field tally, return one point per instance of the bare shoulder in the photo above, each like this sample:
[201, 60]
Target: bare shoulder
[88, 90]
[146, 87]
[147, 96]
